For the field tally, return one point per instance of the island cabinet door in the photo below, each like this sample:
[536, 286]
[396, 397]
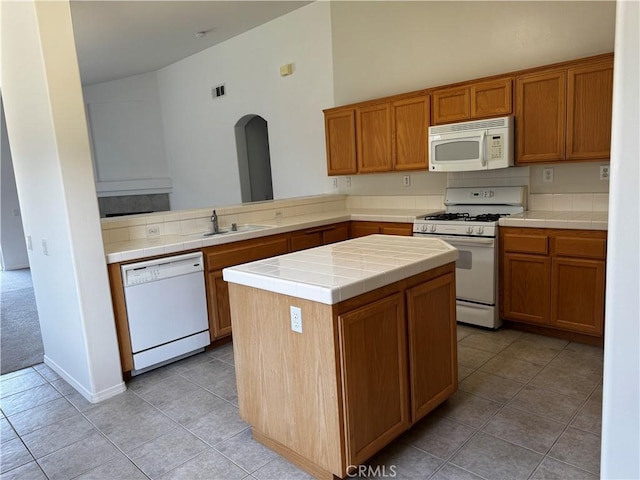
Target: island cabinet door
[432, 344]
[373, 354]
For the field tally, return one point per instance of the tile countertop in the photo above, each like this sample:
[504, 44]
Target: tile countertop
[549, 219]
[170, 244]
[333, 273]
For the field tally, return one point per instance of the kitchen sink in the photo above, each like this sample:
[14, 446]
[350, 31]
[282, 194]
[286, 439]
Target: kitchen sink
[227, 231]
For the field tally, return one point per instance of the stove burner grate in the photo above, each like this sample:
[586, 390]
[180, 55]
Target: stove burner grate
[448, 216]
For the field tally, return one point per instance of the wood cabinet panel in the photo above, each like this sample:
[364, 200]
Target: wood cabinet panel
[526, 288]
[373, 352]
[573, 246]
[589, 104]
[578, 295]
[362, 228]
[219, 257]
[491, 99]
[524, 243]
[451, 105]
[431, 318]
[121, 317]
[340, 133]
[242, 252]
[218, 305]
[411, 120]
[374, 138]
[303, 240]
[402, 229]
[540, 117]
[337, 233]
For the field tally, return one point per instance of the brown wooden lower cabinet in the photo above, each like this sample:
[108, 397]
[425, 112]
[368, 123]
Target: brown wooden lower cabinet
[235, 253]
[314, 237]
[553, 278]
[361, 373]
[361, 229]
[221, 256]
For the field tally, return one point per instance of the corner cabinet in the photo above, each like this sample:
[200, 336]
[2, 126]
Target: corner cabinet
[379, 137]
[553, 278]
[564, 114]
[472, 101]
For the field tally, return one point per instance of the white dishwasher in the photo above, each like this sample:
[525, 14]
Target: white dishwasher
[167, 309]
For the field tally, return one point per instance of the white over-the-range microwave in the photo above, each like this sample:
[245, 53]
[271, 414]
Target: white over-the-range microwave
[468, 146]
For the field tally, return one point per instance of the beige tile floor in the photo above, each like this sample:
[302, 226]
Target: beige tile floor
[527, 407]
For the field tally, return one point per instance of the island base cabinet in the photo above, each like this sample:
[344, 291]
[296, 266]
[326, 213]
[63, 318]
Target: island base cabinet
[361, 372]
[373, 351]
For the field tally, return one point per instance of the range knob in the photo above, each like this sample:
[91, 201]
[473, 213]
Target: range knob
[432, 228]
[423, 227]
[469, 230]
[480, 230]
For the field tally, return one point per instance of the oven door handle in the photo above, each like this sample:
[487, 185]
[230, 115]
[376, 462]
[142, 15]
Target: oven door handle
[471, 241]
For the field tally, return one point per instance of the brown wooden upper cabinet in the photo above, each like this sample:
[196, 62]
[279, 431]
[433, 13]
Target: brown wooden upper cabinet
[340, 132]
[565, 114]
[383, 137]
[411, 118]
[373, 136]
[476, 100]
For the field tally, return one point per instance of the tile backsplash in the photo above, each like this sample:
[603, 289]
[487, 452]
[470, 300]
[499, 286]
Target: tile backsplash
[569, 202]
[135, 227]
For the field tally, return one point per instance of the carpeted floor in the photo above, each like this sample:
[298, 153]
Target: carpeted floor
[20, 338]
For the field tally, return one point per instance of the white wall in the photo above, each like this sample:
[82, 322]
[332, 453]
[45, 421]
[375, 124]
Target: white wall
[50, 148]
[125, 125]
[199, 131]
[12, 242]
[621, 394]
[384, 48]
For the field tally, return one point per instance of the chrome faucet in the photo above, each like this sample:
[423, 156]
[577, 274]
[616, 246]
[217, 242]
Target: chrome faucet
[214, 222]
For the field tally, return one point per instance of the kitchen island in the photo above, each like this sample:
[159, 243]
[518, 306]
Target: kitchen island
[341, 348]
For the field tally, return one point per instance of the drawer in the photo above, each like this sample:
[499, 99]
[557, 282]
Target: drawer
[568, 246]
[523, 243]
[250, 251]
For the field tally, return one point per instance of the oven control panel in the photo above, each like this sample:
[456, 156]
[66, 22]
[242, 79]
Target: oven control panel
[482, 194]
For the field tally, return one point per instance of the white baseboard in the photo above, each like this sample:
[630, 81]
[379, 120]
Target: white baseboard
[16, 267]
[90, 396]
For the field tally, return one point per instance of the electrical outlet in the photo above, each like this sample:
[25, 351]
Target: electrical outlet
[604, 172]
[296, 319]
[406, 180]
[45, 247]
[348, 181]
[547, 175]
[16, 212]
[335, 183]
[29, 243]
[153, 231]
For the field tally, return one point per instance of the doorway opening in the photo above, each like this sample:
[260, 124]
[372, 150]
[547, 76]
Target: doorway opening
[254, 161]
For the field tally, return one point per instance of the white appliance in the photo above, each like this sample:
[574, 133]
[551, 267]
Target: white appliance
[478, 145]
[167, 309]
[470, 223]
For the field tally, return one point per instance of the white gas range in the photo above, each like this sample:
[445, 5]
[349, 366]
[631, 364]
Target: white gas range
[470, 223]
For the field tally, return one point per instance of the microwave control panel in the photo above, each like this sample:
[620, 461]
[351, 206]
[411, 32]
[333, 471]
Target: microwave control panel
[496, 147]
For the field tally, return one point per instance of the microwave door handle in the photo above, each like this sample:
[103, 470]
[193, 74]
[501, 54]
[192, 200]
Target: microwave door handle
[483, 154]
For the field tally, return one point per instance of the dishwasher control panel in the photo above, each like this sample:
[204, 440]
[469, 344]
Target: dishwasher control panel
[161, 268]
